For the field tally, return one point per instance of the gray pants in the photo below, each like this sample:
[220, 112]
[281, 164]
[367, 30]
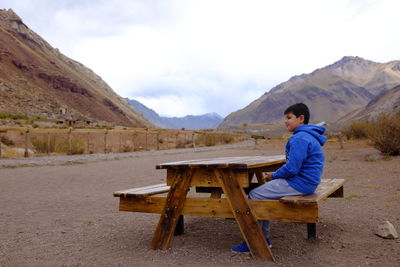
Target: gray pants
[274, 189]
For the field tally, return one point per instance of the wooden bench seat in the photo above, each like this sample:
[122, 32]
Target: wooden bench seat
[290, 209]
[327, 188]
[143, 191]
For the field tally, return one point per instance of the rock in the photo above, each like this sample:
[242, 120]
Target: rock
[386, 230]
[374, 157]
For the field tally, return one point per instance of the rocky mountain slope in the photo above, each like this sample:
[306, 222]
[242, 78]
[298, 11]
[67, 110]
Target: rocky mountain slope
[330, 92]
[37, 80]
[388, 102]
[190, 122]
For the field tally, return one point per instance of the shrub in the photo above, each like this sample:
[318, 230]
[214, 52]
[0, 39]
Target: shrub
[384, 133]
[227, 138]
[77, 146]
[182, 143]
[127, 148]
[13, 117]
[213, 139]
[356, 130]
[7, 141]
[44, 145]
[209, 139]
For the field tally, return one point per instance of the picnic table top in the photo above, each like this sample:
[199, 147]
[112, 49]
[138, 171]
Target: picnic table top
[247, 162]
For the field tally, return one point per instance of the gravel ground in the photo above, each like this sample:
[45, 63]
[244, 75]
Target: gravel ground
[65, 215]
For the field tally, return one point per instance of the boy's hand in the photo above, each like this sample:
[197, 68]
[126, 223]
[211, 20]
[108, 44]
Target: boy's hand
[267, 176]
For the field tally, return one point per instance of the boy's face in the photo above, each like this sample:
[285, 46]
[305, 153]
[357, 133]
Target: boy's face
[292, 122]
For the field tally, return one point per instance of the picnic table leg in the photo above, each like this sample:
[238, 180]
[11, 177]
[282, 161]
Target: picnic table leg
[244, 216]
[311, 230]
[180, 226]
[172, 210]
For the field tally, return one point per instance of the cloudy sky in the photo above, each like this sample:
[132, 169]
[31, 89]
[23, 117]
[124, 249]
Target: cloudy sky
[200, 56]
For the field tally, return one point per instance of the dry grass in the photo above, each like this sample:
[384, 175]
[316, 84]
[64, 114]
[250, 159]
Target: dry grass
[72, 147]
[55, 141]
[213, 139]
[44, 144]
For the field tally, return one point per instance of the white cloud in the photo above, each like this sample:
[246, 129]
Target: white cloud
[174, 106]
[191, 57]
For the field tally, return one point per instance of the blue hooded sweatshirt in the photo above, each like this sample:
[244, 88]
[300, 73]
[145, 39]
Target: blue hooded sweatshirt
[304, 159]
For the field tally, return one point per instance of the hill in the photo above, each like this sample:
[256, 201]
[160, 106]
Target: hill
[38, 80]
[190, 122]
[330, 92]
[388, 102]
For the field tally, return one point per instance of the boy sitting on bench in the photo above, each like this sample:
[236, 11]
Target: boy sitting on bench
[301, 174]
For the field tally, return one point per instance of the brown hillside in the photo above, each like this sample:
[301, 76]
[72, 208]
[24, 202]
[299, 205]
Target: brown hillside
[387, 102]
[37, 80]
[330, 92]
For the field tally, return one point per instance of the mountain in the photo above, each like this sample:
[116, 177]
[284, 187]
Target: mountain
[37, 80]
[191, 122]
[147, 113]
[388, 102]
[330, 92]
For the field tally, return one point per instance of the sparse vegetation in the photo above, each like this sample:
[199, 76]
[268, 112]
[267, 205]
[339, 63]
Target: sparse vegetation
[54, 141]
[384, 133]
[73, 146]
[212, 139]
[13, 117]
[356, 130]
[227, 138]
[182, 143]
[7, 141]
[127, 148]
[44, 144]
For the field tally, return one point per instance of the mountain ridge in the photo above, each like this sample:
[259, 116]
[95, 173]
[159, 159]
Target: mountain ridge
[38, 80]
[190, 122]
[331, 92]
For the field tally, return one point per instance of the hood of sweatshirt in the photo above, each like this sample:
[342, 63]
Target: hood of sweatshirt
[316, 131]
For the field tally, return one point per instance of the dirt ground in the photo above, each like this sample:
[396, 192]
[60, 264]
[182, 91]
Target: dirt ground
[66, 215]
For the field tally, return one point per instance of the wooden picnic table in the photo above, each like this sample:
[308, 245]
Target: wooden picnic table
[232, 177]
[228, 175]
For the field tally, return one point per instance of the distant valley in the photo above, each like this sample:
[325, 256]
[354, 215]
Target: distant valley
[189, 122]
[37, 80]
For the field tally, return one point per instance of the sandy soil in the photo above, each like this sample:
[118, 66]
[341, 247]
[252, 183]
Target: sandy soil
[66, 215]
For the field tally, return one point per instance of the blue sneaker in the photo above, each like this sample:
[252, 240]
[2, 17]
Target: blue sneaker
[242, 248]
[269, 243]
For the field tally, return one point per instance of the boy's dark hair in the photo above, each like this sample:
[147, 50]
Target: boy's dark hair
[299, 109]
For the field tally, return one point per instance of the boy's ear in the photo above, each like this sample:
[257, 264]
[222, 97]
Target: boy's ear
[301, 117]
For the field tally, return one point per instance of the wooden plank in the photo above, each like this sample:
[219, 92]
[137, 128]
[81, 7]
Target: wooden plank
[171, 211]
[229, 162]
[143, 191]
[207, 178]
[244, 215]
[220, 208]
[326, 188]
